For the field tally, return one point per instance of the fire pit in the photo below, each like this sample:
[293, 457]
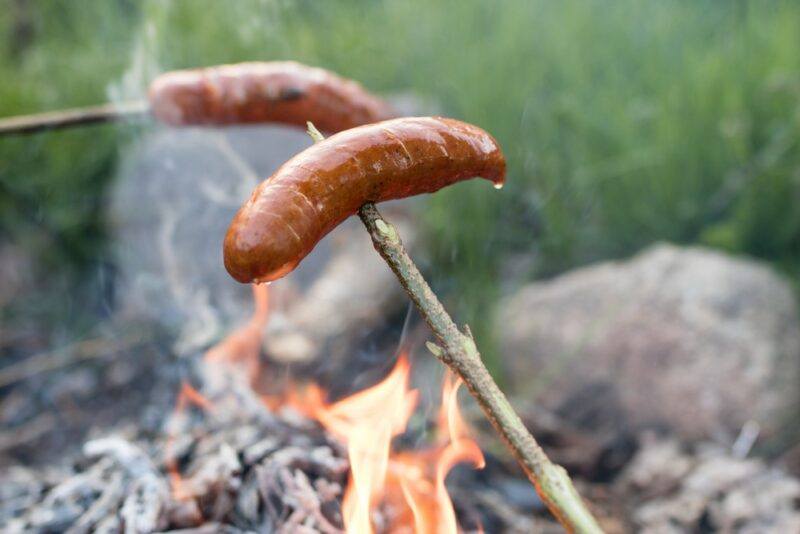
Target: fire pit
[233, 458]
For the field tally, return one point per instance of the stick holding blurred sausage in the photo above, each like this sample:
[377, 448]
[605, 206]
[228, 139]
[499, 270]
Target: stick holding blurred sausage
[283, 92]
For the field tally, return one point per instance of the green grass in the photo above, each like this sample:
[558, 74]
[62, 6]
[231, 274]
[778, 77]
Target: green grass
[624, 122]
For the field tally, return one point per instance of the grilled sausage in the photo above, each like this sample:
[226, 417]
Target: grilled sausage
[280, 91]
[319, 188]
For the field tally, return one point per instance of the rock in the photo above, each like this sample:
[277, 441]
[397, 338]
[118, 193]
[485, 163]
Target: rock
[674, 490]
[658, 468]
[176, 194]
[687, 338]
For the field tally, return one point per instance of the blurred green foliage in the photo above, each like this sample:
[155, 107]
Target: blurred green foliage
[624, 122]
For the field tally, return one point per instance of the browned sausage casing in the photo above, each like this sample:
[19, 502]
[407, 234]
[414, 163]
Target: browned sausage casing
[319, 188]
[280, 91]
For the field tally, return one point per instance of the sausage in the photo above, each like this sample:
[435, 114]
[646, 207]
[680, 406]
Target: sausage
[319, 188]
[281, 91]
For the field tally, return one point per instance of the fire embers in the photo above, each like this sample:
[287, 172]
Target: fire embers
[399, 491]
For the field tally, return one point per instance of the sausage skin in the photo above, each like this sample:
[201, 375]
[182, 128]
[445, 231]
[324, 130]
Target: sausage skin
[319, 188]
[280, 91]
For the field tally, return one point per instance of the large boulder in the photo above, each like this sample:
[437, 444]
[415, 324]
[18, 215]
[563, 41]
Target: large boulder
[687, 338]
[176, 193]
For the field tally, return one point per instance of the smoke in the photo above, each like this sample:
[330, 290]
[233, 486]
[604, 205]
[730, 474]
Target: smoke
[176, 193]
[171, 202]
[144, 66]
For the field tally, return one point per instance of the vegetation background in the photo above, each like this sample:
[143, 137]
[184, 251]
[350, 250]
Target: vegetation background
[624, 123]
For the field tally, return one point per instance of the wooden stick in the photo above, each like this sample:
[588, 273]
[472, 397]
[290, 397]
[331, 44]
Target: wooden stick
[458, 351]
[67, 118]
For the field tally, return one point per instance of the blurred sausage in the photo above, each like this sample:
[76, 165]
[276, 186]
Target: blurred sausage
[319, 188]
[280, 91]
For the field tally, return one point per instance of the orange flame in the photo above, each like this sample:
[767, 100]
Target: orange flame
[410, 485]
[367, 421]
[413, 482]
[424, 491]
[461, 448]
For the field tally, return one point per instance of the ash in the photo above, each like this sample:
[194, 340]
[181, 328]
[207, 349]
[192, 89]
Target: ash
[246, 468]
[226, 463]
[89, 443]
[243, 469]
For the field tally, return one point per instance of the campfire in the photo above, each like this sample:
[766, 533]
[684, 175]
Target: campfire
[236, 455]
[405, 488]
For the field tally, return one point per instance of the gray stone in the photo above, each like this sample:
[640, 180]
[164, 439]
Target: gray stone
[707, 490]
[688, 338]
[171, 205]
